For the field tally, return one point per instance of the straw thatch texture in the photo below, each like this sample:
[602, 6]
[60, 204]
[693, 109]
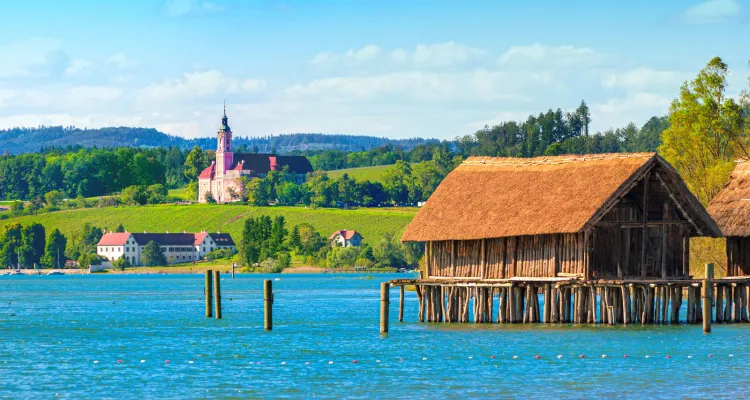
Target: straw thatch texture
[731, 207]
[487, 197]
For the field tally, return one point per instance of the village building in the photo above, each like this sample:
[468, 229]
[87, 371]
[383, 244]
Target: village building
[610, 231]
[221, 180]
[345, 238]
[731, 211]
[177, 247]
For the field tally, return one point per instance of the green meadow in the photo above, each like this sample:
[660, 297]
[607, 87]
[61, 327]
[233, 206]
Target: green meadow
[372, 174]
[372, 223]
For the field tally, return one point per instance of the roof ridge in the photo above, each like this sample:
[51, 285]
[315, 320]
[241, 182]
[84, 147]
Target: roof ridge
[549, 160]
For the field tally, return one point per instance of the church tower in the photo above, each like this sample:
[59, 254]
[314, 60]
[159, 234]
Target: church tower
[224, 153]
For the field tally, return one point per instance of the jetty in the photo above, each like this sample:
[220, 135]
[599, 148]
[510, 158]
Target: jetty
[568, 239]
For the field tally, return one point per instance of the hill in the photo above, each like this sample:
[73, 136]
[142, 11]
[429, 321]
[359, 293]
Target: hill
[371, 223]
[25, 140]
[372, 174]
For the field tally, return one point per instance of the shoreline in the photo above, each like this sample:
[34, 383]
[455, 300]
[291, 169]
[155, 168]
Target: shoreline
[191, 269]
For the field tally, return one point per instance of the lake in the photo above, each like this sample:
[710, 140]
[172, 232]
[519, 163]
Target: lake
[136, 336]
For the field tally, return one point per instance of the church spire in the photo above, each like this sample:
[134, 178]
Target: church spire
[225, 120]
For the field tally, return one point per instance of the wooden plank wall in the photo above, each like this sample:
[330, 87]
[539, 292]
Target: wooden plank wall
[522, 256]
[738, 256]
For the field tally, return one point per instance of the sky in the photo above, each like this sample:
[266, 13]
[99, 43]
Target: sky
[388, 68]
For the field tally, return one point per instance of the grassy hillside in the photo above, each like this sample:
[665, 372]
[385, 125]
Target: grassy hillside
[371, 222]
[373, 174]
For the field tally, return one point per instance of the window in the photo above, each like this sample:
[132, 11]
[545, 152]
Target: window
[204, 250]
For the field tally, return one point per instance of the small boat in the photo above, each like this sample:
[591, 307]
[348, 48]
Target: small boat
[56, 273]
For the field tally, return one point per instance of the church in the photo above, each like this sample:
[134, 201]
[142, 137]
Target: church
[222, 181]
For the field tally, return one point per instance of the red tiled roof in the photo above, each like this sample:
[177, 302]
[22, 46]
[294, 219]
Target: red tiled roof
[207, 173]
[199, 238]
[345, 233]
[114, 239]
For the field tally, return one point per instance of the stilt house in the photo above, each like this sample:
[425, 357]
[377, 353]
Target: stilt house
[731, 210]
[606, 216]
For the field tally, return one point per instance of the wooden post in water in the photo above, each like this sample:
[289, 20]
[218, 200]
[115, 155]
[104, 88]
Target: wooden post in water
[384, 293]
[706, 293]
[207, 290]
[401, 305]
[233, 266]
[267, 305]
[217, 294]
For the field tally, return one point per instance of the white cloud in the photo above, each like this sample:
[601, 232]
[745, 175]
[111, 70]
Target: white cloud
[93, 94]
[33, 57]
[712, 11]
[541, 56]
[475, 85]
[502, 116]
[444, 54]
[635, 107]
[76, 66]
[5, 95]
[190, 129]
[644, 78]
[179, 8]
[121, 61]
[437, 55]
[201, 84]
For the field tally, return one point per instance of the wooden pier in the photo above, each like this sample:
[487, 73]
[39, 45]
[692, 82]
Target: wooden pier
[564, 300]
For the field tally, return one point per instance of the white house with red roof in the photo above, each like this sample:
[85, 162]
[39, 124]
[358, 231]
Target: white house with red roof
[345, 238]
[177, 247]
[222, 178]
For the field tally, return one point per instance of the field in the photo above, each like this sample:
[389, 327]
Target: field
[372, 223]
[372, 174]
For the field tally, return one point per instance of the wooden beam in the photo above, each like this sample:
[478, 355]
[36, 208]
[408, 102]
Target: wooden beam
[483, 260]
[644, 220]
[453, 258]
[678, 205]
[664, 233]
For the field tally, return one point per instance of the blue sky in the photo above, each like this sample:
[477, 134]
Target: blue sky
[387, 68]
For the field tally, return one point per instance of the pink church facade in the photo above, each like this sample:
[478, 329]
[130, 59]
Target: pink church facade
[221, 180]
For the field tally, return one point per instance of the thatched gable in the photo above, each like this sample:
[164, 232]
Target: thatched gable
[731, 207]
[488, 197]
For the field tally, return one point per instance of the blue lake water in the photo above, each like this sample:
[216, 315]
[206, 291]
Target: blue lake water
[63, 336]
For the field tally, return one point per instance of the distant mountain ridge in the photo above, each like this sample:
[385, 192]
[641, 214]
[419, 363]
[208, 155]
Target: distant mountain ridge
[26, 140]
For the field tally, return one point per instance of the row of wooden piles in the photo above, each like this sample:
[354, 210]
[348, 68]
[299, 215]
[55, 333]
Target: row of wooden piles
[630, 303]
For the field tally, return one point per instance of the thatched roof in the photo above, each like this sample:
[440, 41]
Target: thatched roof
[731, 207]
[488, 197]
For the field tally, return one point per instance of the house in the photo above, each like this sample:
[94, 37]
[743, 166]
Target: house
[177, 247]
[731, 211]
[606, 216]
[345, 238]
[221, 180]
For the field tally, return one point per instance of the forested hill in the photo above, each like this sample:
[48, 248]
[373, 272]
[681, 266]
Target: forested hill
[25, 140]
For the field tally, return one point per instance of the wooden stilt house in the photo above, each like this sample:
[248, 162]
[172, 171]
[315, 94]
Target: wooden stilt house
[731, 211]
[590, 217]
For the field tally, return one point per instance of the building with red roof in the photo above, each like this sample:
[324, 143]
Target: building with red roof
[345, 238]
[177, 247]
[221, 180]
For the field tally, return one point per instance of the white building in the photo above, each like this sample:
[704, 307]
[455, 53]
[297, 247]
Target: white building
[345, 238]
[177, 247]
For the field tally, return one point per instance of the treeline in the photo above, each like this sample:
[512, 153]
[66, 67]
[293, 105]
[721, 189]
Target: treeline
[556, 132]
[269, 246]
[25, 140]
[91, 172]
[384, 155]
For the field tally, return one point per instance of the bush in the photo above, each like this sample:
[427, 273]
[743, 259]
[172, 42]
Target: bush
[270, 266]
[121, 263]
[219, 253]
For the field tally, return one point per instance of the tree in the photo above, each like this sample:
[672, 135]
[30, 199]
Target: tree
[584, 116]
[90, 237]
[195, 162]
[134, 195]
[156, 193]
[295, 240]
[16, 208]
[209, 198]
[705, 132]
[121, 263]
[54, 251]
[278, 233]
[120, 228]
[9, 244]
[33, 242]
[396, 182]
[153, 255]
[54, 198]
